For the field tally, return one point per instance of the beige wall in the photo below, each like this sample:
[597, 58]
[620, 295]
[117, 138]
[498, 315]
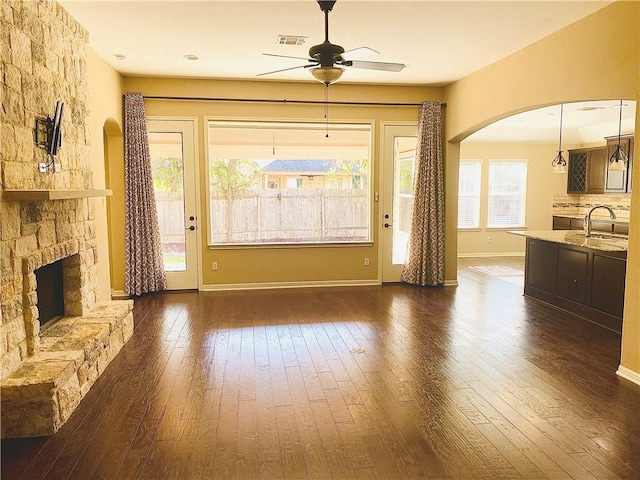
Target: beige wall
[272, 265]
[595, 58]
[105, 120]
[542, 183]
[630, 356]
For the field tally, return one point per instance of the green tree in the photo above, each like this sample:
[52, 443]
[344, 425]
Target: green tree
[355, 168]
[231, 176]
[167, 174]
[406, 175]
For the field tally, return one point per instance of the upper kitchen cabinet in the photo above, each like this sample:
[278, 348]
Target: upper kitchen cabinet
[619, 182]
[587, 167]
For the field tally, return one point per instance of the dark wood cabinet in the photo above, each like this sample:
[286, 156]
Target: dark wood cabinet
[621, 228]
[584, 281]
[541, 275]
[596, 168]
[587, 170]
[577, 175]
[561, 223]
[619, 182]
[572, 274]
[608, 279]
[597, 225]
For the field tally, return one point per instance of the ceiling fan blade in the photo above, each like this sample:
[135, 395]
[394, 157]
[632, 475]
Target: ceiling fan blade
[285, 69]
[287, 56]
[360, 51]
[386, 66]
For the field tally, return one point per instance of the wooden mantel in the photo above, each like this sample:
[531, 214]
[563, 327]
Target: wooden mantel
[38, 195]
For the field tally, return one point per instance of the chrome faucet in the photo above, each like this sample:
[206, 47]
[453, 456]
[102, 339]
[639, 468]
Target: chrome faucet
[587, 218]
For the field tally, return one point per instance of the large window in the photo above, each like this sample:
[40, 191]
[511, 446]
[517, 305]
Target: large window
[469, 194]
[288, 182]
[507, 193]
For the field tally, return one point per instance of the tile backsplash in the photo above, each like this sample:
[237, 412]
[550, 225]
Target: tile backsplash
[579, 205]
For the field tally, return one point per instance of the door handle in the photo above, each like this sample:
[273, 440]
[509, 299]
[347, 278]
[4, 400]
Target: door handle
[387, 225]
[192, 228]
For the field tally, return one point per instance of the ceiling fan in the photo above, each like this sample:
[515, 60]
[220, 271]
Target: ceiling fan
[326, 59]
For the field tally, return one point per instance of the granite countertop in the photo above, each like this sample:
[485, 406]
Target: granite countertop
[597, 241]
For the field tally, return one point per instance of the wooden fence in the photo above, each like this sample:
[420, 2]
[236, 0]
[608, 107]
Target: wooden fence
[170, 208]
[291, 215]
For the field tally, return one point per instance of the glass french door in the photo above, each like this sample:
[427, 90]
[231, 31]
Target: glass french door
[173, 167]
[398, 161]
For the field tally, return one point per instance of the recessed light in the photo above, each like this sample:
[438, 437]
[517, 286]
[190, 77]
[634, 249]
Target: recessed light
[191, 57]
[119, 56]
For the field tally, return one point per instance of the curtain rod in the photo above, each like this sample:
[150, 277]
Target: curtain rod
[284, 101]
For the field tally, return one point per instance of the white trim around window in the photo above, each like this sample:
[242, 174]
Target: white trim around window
[507, 193]
[288, 183]
[469, 191]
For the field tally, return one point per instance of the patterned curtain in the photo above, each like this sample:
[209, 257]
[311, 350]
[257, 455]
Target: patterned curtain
[425, 257]
[144, 269]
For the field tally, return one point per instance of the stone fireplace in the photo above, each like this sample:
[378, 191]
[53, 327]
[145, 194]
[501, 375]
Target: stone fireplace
[47, 217]
[45, 374]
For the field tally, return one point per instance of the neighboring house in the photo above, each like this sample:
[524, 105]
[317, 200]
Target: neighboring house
[281, 174]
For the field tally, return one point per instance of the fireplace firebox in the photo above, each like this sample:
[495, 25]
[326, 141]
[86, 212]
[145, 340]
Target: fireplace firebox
[50, 291]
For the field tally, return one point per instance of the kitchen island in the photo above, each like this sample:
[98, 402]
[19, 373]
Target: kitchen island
[585, 276]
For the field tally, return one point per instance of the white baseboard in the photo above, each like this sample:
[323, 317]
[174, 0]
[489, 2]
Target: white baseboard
[450, 283]
[628, 374]
[488, 255]
[273, 285]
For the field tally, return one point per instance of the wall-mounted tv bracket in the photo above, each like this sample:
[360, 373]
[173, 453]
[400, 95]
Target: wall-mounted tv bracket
[48, 136]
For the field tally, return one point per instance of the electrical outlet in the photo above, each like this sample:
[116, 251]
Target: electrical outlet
[366, 261]
[488, 239]
[214, 266]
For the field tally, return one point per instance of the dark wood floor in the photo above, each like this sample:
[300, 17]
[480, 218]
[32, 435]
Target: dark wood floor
[466, 382]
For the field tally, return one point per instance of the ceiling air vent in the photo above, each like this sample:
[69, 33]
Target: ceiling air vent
[291, 39]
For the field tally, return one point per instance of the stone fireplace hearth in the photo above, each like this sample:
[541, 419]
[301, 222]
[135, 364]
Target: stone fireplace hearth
[46, 374]
[40, 395]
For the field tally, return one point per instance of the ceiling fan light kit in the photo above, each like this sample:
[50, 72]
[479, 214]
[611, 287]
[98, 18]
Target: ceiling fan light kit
[327, 75]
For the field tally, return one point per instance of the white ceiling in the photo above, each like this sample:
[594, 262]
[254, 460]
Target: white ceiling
[582, 123]
[439, 41]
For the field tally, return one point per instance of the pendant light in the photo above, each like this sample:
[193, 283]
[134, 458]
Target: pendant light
[618, 161]
[559, 164]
